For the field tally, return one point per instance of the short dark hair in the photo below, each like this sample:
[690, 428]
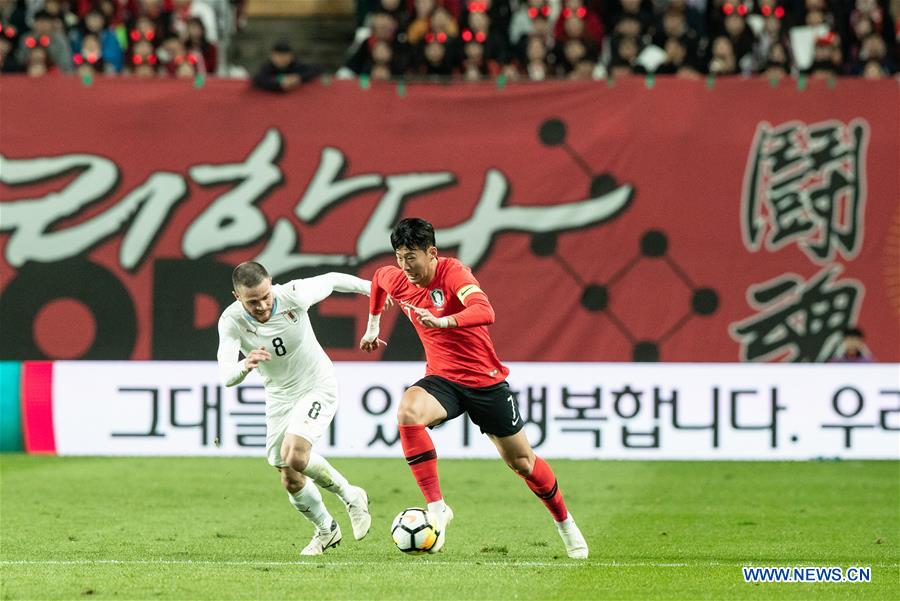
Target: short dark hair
[249, 275]
[855, 332]
[413, 233]
[283, 46]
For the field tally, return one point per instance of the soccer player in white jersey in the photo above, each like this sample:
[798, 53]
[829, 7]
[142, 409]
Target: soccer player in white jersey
[270, 326]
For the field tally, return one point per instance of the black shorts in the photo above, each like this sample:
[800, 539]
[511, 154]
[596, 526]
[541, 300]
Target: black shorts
[493, 409]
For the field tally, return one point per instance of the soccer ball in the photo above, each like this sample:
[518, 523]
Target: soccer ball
[413, 531]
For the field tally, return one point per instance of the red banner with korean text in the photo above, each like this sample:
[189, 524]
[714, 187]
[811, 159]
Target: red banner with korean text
[675, 222]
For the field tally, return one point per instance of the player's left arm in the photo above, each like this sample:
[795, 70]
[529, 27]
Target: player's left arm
[310, 291]
[477, 312]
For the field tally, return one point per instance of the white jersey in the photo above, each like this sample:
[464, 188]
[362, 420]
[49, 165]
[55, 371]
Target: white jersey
[298, 361]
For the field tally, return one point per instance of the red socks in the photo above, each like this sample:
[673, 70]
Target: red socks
[422, 459]
[543, 483]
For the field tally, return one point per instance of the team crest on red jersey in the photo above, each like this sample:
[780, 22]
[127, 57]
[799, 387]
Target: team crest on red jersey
[437, 297]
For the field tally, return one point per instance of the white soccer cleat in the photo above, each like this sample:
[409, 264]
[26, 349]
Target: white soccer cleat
[360, 517]
[576, 546]
[322, 542]
[440, 521]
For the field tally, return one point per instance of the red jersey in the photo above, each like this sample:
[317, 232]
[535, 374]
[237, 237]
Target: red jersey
[464, 354]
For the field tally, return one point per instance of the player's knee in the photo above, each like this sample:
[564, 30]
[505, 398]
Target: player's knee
[297, 459]
[409, 413]
[522, 464]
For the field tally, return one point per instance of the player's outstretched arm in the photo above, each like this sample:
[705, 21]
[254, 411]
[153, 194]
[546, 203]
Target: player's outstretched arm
[313, 290]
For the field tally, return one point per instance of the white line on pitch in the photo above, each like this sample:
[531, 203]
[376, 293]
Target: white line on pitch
[445, 562]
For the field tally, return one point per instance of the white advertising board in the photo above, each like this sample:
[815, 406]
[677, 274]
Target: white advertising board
[574, 410]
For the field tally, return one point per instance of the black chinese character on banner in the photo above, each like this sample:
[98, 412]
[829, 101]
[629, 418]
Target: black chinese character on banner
[798, 321]
[806, 184]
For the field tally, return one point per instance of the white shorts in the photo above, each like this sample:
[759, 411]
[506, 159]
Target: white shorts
[308, 417]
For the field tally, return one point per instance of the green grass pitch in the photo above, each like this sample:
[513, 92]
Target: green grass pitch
[221, 528]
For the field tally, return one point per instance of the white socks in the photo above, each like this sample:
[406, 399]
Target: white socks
[566, 522]
[437, 507]
[327, 477]
[308, 501]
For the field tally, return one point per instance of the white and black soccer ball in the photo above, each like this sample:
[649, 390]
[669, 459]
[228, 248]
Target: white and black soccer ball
[413, 531]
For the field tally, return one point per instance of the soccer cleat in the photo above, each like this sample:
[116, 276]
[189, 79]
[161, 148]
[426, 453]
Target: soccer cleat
[322, 541]
[576, 546]
[440, 521]
[359, 514]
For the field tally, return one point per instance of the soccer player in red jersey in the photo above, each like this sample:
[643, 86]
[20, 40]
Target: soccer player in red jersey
[463, 374]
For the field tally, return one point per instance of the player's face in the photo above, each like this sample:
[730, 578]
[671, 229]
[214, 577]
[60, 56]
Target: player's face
[257, 301]
[417, 264]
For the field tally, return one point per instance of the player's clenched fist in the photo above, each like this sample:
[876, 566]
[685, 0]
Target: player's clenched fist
[367, 345]
[256, 356]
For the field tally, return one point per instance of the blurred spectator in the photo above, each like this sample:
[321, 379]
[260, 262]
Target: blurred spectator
[282, 72]
[477, 60]
[578, 59]
[38, 62]
[147, 29]
[397, 9]
[8, 38]
[439, 54]
[421, 23]
[166, 52]
[185, 10]
[187, 66]
[741, 38]
[853, 348]
[531, 16]
[383, 29]
[625, 51]
[142, 60]
[480, 31]
[89, 61]
[776, 64]
[674, 24]
[443, 22]
[199, 45]
[156, 12]
[826, 56]
[45, 34]
[873, 51]
[772, 31]
[678, 60]
[638, 11]
[576, 17]
[63, 19]
[874, 70]
[723, 60]
[13, 15]
[94, 23]
[692, 16]
[498, 13]
[538, 59]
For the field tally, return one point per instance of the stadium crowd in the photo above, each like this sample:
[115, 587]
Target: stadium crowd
[583, 39]
[141, 38]
[478, 39]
